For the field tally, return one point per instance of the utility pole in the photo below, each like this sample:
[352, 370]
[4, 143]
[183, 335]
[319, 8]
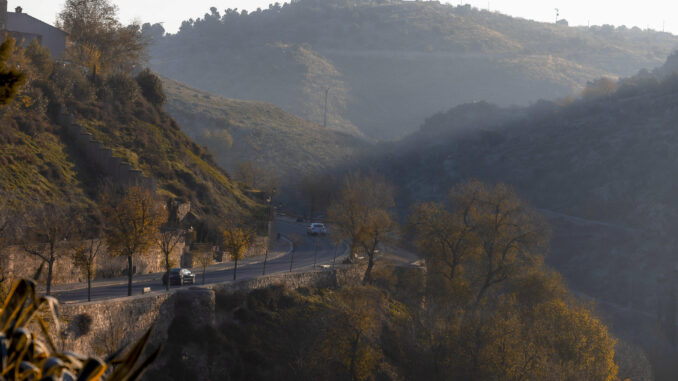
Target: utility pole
[557, 14]
[327, 90]
[268, 221]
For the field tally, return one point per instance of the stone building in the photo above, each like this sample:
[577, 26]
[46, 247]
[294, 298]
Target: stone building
[26, 28]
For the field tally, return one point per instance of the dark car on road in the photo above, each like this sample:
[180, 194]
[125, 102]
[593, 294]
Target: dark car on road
[179, 276]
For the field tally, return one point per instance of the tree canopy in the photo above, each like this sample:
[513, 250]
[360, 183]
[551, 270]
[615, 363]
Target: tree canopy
[98, 40]
[10, 78]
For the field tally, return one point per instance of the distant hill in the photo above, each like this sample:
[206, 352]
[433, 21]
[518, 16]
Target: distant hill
[390, 64]
[609, 157]
[601, 168]
[237, 131]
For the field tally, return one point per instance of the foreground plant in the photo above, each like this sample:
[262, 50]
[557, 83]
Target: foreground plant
[27, 356]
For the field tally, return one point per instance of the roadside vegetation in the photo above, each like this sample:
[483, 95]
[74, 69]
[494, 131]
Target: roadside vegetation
[59, 203]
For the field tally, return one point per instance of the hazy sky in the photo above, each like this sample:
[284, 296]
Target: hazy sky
[654, 14]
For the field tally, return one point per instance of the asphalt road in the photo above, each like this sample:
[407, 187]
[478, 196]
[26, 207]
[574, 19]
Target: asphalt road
[301, 258]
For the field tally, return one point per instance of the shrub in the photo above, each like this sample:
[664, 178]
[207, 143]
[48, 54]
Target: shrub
[122, 88]
[151, 87]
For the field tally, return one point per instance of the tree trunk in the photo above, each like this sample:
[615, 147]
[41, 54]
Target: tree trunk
[334, 259]
[89, 284]
[167, 272]
[50, 268]
[235, 269]
[129, 275]
[354, 355]
[367, 279]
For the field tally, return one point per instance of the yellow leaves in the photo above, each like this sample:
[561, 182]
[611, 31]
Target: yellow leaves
[236, 240]
[487, 233]
[354, 324]
[360, 213]
[133, 222]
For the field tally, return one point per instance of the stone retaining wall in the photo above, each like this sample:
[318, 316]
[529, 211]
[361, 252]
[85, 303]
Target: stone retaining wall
[102, 157]
[18, 264]
[99, 327]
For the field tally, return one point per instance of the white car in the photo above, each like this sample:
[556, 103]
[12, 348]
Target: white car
[316, 228]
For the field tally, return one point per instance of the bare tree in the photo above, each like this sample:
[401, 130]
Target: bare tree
[360, 214]
[485, 236]
[84, 258]
[257, 176]
[204, 258]
[171, 235]
[46, 229]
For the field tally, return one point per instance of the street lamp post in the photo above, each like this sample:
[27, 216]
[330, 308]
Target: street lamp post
[268, 221]
[334, 259]
[315, 253]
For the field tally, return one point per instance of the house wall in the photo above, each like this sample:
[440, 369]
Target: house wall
[28, 27]
[3, 15]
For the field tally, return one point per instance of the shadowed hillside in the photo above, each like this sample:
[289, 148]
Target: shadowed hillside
[388, 65]
[602, 168]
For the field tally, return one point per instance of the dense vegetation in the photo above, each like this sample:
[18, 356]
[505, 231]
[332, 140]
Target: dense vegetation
[237, 131]
[392, 330]
[483, 307]
[601, 167]
[390, 64]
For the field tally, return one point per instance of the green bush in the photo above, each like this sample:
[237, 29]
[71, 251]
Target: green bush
[151, 87]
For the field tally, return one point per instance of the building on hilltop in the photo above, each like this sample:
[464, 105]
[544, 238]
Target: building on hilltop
[26, 28]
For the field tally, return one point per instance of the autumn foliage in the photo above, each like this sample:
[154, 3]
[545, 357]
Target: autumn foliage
[132, 224]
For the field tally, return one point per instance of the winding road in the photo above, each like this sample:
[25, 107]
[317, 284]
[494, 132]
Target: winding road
[302, 258]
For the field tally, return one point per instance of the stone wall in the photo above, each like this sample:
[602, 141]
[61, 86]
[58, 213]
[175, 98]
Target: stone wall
[98, 327]
[102, 157]
[19, 264]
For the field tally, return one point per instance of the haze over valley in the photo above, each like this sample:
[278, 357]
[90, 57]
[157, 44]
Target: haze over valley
[337, 190]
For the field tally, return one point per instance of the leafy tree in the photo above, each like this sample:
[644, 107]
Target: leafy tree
[443, 238]
[132, 225]
[151, 87]
[351, 346]
[46, 229]
[99, 41]
[10, 78]
[361, 214]
[236, 239]
[488, 230]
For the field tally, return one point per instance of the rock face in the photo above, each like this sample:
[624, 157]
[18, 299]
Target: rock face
[101, 327]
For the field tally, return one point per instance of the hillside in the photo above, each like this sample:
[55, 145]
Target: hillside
[388, 65]
[43, 162]
[602, 169]
[237, 131]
